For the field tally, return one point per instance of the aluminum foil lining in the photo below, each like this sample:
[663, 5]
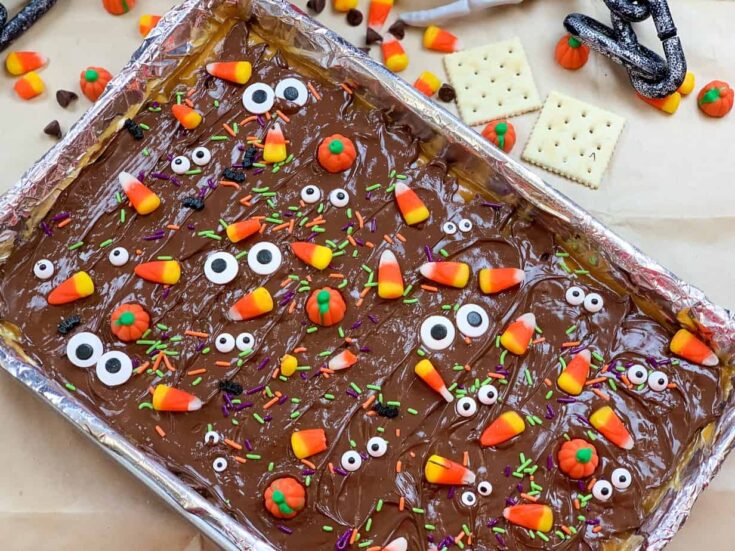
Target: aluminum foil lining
[181, 32]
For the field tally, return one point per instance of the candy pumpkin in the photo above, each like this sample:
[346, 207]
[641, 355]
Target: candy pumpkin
[285, 497]
[118, 7]
[93, 80]
[501, 133]
[577, 458]
[571, 53]
[129, 322]
[326, 306]
[715, 99]
[336, 153]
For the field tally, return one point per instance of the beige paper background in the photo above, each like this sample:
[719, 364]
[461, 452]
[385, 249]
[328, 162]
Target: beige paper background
[669, 190]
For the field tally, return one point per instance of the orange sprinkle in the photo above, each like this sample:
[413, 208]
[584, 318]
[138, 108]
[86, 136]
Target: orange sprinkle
[465, 459]
[291, 225]
[366, 403]
[605, 368]
[671, 385]
[398, 433]
[267, 115]
[412, 453]
[595, 381]
[353, 537]
[313, 91]
[346, 88]
[400, 238]
[151, 390]
[189, 103]
[529, 498]
[227, 183]
[271, 403]
[221, 363]
[539, 340]
[576, 503]
[138, 252]
[369, 244]
[190, 92]
[387, 239]
[547, 382]
[601, 394]
[360, 219]
[371, 413]
[331, 467]
[626, 381]
[597, 529]
[258, 145]
[142, 368]
[160, 431]
[169, 366]
[337, 276]
[196, 372]
[399, 465]
[309, 464]
[566, 530]
[364, 292]
[429, 288]
[63, 223]
[282, 116]
[458, 537]
[173, 227]
[232, 444]
[285, 282]
[281, 226]
[570, 344]
[308, 278]
[359, 303]
[351, 240]
[401, 503]
[292, 306]
[299, 349]
[246, 120]
[467, 367]
[494, 375]
[245, 202]
[157, 361]
[591, 483]
[262, 229]
[229, 130]
[374, 548]
[240, 459]
[276, 373]
[348, 340]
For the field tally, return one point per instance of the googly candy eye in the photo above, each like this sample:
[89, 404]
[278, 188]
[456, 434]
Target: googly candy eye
[114, 368]
[339, 197]
[351, 461]
[621, 478]
[219, 464]
[437, 332]
[637, 374]
[293, 90]
[119, 256]
[593, 303]
[258, 98]
[245, 341]
[84, 349]
[224, 343]
[658, 381]
[484, 488]
[487, 395]
[465, 225]
[221, 268]
[575, 296]
[264, 258]
[377, 446]
[468, 498]
[180, 164]
[466, 407]
[201, 156]
[43, 269]
[472, 320]
[602, 490]
[211, 438]
[450, 228]
[310, 194]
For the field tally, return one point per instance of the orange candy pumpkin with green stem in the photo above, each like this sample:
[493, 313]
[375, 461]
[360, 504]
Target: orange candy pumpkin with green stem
[93, 80]
[577, 458]
[571, 53]
[118, 7]
[501, 133]
[336, 153]
[285, 497]
[129, 322]
[715, 99]
[326, 307]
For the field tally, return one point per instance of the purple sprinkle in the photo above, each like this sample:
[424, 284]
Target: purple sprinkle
[154, 237]
[141, 177]
[202, 192]
[225, 411]
[155, 104]
[507, 470]
[448, 541]
[211, 183]
[430, 537]
[348, 225]
[450, 493]
[492, 522]
[429, 256]
[282, 399]
[550, 414]
[267, 417]
[191, 227]
[227, 398]
[492, 205]
[350, 392]
[255, 389]
[285, 529]
[629, 364]
[519, 487]
[500, 539]
[583, 419]
[356, 325]
[511, 501]
[175, 181]
[241, 147]
[166, 292]
[312, 236]
[652, 361]
[364, 349]
[261, 121]
[564, 400]
[46, 229]
[248, 445]
[369, 196]
[165, 336]
[160, 176]
[373, 318]
[59, 217]
[593, 521]
[577, 349]
[344, 539]
[308, 472]
[244, 405]
[201, 346]
[341, 471]
[264, 362]
[549, 462]
[258, 171]
[373, 225]
[359, 241]
[136, 363]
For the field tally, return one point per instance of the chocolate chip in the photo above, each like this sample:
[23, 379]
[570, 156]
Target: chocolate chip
[53, 129]
[398, 29]
[354, 17]
[447, 93]
[385, 411]
[67, 325]
[233, 175]
[196, 203]
[65, 97]
[317, 6]
[230, 387]
[372, 37]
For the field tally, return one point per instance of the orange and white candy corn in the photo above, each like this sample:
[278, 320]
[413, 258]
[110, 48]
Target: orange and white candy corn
[252, 305]
[80, 285]
[451, 274]
[668, 105]
[410, 205]
[146, 23]
[19, 63]
[165, 272]
[29, 86]
[243, 229]
[274, 149]
[572, 378]
[440, 40]
[143, 199]
[533, 516]
[167, 398]
[187, 117]
[398, 544]
[394, 56]
[440, 470]
[517, 337]
[316, 256]
[495, 280]
[606, 421]
[344, 5]
[507, 426]
[390, 279]
[238, 72]
[343, 360]
[306, 443]
[427, 83]
[689, 347]
[378, 13]
[428, 373]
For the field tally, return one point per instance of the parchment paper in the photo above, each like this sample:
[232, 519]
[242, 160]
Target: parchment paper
[668, 190]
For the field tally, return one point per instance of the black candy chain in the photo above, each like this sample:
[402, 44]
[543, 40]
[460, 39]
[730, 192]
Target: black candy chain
[27, 16]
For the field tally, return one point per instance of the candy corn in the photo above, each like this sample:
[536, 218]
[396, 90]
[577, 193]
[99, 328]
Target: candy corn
[144, 201]
[146, 23]
[427, 83]
[669, 104]
[398, 544]
[274, 150]
[611, 427]
[252, 305]
[451, 274]
[517, 337]
[439, 40]
[378, 13]
[689, 347]
[289, 364]
[188, 118]
[167, 398]
[505, 427]
[316, 256]
[440, 470]
[687, 87]
[78, 286]
[165, 272]
[495, 280]
[341, 361]
[390, 280]
[238, 231]
[428, 373]
[19, 63]
[29, 86]
[572, 378]
[235, 71]
[533, 516]
[344, 5]
[412, 208]
[306, 443]
[394, 56]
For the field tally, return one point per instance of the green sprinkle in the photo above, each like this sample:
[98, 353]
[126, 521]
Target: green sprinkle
[159, 373]
[528, 377]
[498, 530]
[327, 528]
[379, 505]
[295, 414]
[412, 411]
[206, 350]
[241, 254]
[563, 362]
[258, 418]
[392, 173]
[106, 243]
[369, 524]
[356, 388]
[223, 223]
[390, 188]
[503, 354]
[401, 177]
[145, 152]
[429, 527]
[235, 422]
[571, 330]
[218, 138]
[162, 327]
[349, 213]
[342, 284]
[271, 466]
[407, 290]
[418, 510]
[410, 300]
[196, 381]
[549, 394]
[254, 456]
[591, 435]
[71, 387]
[76, 245]
[145, 405]
[420, 352]
[612, 384]
[538, 420]
[329, 396]
[122, 216]
[393, 403]
[542, 536]
[164, 258]
[444, 253]
[497, 341]
[312, 329]
[372, 187]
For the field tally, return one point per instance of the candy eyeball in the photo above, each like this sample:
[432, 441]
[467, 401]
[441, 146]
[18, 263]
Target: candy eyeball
[119, 256]
[602, 490]
[351, 461]
[245, 341]
[114, 368]
[310, 194]
[450, 228]
[339, 197]
[575, 296]
[637, 374]
[258, 98]
[43, 269]
[221, 268]
[658, 381]
[465, 225]
[84, 349]
[377, 446]
[487, 395]
[219, 465]
[621, 478]
[201, 156]
[593, 303]
[264, 258]
[468, 498]
[224, 343]
[484, 488]
[180, 165]
[437, 332]
[211, 438]
[466, 406]
[293, 90]
[472, 320]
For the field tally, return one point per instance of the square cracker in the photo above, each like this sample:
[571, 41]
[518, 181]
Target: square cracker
[492, 82]
[574, 139]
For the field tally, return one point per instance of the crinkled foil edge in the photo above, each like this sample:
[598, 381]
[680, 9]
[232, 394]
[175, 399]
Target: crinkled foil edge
[443, 136]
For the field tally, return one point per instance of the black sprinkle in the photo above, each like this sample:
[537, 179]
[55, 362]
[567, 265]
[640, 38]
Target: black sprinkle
[398, 29]
[230, 387]
[196, 203]
[234, 175]
[317, 6]
[385, 411]
[354, 17]
[372, 37]
[447, 93]
[135, 131]
[67, 325]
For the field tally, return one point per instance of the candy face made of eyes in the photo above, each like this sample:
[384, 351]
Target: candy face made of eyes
[259, 97]
[620, 480]
[639, 376]
[438, 332]
[199, 156]
[112, 368]
[338, 197]
[591, 302]
[467, 405]
[464, 226]
[352, 460]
